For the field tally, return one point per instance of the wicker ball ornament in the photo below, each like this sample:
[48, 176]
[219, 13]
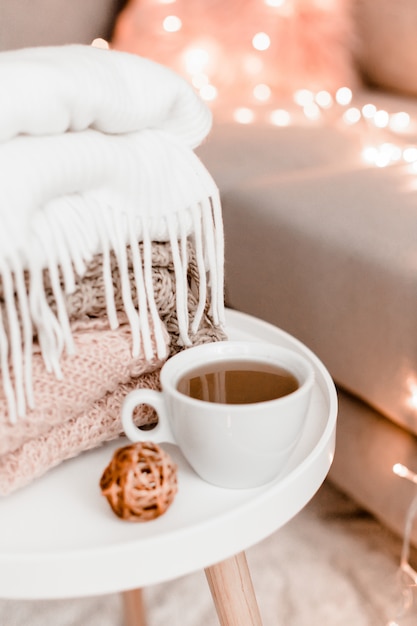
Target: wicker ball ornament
[140, 482]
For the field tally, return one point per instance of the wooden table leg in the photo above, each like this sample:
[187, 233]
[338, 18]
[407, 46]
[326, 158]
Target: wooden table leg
[233, 594]
[134, 608]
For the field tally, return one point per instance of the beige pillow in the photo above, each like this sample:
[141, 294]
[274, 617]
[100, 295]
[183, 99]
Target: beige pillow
[387, 43]
[309, 42]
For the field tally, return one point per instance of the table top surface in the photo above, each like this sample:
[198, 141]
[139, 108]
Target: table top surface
[59, 537]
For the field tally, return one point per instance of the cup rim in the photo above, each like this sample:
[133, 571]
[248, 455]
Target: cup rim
[170, 374]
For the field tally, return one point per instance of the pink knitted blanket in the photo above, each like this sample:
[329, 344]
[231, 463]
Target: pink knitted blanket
[78, 412]
[99, 423]
[102, 362]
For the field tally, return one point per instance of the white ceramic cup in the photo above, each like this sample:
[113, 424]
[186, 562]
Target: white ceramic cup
[229, 445]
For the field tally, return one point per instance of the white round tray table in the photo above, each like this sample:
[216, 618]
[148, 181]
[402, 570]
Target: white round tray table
[60, 539]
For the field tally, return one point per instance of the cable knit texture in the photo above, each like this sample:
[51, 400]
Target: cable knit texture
[98, 424]
[102, 362]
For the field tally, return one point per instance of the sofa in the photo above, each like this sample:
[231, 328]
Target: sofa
[327, 252]
[318, 241]
[322, 243]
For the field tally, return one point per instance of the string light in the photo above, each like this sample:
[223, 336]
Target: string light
[370, 154]
[344, 96]
[262, 92]
[409, 156]
[324, 99]
[387, 153]
[99, 42]
[412, 389]
[275, 3]
[244, 115]
[202, 62]
[172, 24]
[312, 111]
[381, 119]
[280, 117]
[352, 116]
[303, 97]
[368, 111]
[196, 60]
[261, 41]
[403, 472]
[399, 122]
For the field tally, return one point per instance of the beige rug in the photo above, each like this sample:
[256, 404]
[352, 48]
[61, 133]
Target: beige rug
[333, 565]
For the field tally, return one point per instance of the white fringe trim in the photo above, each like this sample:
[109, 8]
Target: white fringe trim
[28, 308]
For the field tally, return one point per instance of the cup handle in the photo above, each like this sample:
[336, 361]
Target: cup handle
[161, 431]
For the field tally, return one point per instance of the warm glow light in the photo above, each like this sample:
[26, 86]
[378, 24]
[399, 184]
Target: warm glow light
[262, 92]
[196, 60]
[352, 116]
[243, 115]
[203, 63]
[399, 469]
[311, 111]
[261, 41]
[382, 160]
[172, 24]
[344, 96]
[383, 155]
[280, 117]
[381, 119]
[370, 154]
[399, 122]
[303, 97]
[324, 99]
[394, 152]
[100, 43]
[412, 390]
[368, 111]
[208, 92]
[403, 471]
[410, 154]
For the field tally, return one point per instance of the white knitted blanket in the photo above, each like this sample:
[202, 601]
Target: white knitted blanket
[96, 153]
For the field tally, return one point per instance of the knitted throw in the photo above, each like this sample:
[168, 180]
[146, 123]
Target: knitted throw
[96, 155]
[83, 410]
[102, 363]
[99, 423]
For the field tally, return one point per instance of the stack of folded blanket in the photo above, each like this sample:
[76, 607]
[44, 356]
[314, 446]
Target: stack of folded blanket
[111, 246]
